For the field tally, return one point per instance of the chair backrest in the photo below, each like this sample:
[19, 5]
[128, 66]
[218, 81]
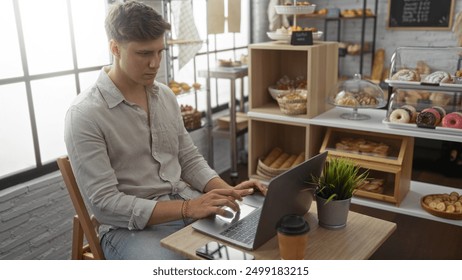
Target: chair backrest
[83, 218]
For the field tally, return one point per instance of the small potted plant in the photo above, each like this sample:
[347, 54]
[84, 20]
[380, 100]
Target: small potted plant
[334, 188]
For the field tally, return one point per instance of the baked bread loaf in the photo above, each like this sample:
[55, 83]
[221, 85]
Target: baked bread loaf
[438, 77]
[408, 75]
[272, 156]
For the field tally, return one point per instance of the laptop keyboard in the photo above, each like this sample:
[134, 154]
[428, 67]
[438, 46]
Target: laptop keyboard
[245, 229]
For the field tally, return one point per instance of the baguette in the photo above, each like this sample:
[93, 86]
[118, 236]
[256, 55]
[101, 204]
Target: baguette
[289, 161]
[279, 161]
[300, 158]
[272, 156]
[377, 68]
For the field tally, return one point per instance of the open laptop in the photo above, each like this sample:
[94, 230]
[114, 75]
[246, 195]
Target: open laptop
[288, 193]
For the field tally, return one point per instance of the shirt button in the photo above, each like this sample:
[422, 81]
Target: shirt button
[162, 174]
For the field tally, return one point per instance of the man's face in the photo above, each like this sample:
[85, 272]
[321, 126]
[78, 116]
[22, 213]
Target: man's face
[140, 61]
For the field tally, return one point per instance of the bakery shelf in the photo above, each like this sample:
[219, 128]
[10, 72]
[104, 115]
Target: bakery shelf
[413, 127]
[367, 22]
[272, 112]
[268, 126]
[265, 135]
[411, 203]
[331, 118]
[424, 86]
[271, 61]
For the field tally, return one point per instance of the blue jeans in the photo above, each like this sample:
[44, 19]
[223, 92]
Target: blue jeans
[124, 244]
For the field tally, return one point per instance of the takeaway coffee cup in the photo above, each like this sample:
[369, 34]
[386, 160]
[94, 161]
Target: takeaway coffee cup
[292, 237]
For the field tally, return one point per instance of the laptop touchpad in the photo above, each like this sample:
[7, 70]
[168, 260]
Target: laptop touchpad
[232, 216]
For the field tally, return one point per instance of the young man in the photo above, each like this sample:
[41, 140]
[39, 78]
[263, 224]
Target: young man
[133, 159]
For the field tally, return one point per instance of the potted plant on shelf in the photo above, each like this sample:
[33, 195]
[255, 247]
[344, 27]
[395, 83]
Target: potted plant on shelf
[334, 189]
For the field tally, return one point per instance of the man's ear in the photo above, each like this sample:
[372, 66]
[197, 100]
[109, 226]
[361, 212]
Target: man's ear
[115, 48]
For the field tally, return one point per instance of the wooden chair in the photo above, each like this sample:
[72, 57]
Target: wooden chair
[83, 224]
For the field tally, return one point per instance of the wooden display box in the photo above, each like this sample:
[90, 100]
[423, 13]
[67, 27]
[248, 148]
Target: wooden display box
[393, 167]
[264, 136]
[269, 62]
[268, 125]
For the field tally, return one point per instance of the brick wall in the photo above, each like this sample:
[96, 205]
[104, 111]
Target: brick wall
[35, 220]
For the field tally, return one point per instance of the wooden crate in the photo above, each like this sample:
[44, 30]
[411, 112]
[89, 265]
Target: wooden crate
[394, 168]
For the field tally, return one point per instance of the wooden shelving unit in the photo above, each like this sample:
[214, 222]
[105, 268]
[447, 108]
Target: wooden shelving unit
[367, 23]
[268, 126]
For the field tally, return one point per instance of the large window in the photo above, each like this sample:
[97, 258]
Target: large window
[50, 51]
[53, 49]
[226, 46]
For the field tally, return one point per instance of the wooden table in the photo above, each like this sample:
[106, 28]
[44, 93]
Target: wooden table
[362, 236]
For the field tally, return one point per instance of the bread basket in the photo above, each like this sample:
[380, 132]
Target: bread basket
[267, 172]
[293, 103]
[275, 92]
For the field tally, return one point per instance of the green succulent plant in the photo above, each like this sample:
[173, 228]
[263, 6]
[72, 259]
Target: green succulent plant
[339, 179]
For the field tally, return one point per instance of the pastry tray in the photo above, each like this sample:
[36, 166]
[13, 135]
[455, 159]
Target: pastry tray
[414, 127]
[441, 214]
[424, 86]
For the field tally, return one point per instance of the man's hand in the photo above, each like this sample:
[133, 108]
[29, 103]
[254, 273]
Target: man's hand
[213, 202]
[252, 184]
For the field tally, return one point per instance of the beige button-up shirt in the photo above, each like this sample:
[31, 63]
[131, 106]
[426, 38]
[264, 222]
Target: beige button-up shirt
[125, 163]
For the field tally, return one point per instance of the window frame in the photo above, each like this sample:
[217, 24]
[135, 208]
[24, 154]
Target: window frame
[41, 168]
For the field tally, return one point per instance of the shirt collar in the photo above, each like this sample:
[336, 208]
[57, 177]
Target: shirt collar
[111, 94]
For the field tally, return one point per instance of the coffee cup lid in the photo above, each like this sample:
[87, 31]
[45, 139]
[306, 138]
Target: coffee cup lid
[293, 225]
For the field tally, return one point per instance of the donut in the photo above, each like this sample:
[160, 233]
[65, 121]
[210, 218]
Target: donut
[411, 110]
[440, 110]
[400, 116]
[428, 117]
[453, 120]
[406, 75]
[438, 77]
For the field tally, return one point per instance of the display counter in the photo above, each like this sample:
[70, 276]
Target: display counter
[410, 205]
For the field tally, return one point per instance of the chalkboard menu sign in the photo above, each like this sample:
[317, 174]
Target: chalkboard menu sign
[420, 14]
[302, 38]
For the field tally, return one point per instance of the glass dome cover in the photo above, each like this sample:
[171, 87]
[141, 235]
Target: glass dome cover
[357, 93]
